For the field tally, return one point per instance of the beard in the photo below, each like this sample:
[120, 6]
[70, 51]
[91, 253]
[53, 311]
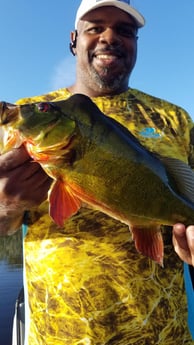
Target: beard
[106, 81]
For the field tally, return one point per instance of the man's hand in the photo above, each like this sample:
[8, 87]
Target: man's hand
[183, 240]
[23, 184]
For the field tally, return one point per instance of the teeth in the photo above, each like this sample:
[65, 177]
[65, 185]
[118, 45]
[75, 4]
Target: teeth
[105, 57]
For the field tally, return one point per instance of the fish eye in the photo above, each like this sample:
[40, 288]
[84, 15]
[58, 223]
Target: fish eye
[43, 107]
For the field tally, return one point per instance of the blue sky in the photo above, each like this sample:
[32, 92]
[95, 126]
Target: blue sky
[35, 57]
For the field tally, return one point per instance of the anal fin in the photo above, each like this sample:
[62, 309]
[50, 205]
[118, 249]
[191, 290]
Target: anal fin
[149, 242]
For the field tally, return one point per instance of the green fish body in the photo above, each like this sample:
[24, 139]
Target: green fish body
[95, 161]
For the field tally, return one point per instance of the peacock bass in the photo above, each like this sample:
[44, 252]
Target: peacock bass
[97, 162]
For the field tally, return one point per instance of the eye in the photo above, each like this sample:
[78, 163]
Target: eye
[43, 107]
[94, 30]
[127, 31]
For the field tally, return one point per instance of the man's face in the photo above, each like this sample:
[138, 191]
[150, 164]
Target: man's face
[106, 49]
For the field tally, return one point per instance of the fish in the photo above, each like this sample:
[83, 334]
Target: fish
[95, 161]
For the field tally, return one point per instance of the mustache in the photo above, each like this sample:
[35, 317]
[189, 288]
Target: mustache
[110, 49]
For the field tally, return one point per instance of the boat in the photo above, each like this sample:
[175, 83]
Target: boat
[18, 332]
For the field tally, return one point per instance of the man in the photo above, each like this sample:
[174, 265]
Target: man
[85, 283]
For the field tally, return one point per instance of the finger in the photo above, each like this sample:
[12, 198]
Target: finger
[27, 170]
[190, 240]
[44, 191]
[13, 159]
[179, 232]
[28, 182]
[35, 177]
[37, 184]
[180, 243]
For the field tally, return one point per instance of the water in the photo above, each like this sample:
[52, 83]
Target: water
[10, 282]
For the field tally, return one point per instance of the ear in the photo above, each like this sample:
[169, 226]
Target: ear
[73, 36]
[72, 45]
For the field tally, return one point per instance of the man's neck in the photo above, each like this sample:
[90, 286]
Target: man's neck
[77, 88]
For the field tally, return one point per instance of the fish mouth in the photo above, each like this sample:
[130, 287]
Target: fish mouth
[8, 113]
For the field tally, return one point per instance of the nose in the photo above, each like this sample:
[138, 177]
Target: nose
[109, 36]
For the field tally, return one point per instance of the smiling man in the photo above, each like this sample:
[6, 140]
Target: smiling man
[107, 45]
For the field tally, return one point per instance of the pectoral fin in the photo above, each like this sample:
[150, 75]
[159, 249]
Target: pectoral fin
[149, 242]
[63, 203]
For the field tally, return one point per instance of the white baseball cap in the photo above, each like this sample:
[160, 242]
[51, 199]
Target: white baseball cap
[89, 5]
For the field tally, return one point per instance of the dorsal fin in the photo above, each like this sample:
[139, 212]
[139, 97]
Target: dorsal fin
[182, 175]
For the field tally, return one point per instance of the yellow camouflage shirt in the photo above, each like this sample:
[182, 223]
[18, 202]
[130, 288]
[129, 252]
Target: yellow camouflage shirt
[86, 283]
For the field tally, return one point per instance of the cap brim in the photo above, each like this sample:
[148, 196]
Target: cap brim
[138, 18]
